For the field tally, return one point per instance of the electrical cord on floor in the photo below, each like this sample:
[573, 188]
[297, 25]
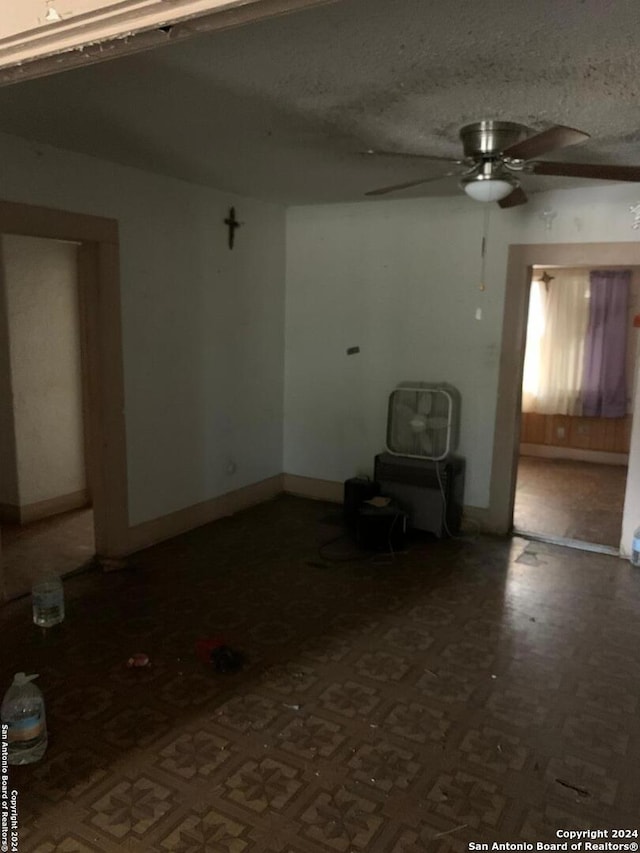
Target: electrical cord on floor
[445, 510]
[391, 551]
[444, 502]
[332, 541]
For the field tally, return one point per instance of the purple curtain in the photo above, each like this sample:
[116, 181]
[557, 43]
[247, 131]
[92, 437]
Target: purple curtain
[604, 385]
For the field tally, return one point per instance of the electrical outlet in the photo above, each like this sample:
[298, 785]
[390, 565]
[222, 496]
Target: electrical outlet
[561, 432]
[231, 467]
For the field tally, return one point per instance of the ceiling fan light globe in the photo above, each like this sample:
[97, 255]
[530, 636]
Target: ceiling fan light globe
[488, 189]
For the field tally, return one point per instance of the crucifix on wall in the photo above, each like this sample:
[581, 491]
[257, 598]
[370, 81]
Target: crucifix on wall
[232, 223]
[546, 279]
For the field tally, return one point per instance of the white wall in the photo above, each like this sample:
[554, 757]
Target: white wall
[401, 280]
[396, 281]
[202, 325]
[41, 287]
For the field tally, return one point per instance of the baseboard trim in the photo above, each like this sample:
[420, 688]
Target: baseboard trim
[551, 451]
[313, 488]
[167, 526]
[12, 514]
[478, 518]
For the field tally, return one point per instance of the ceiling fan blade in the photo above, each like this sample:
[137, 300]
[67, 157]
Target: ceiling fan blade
[603, 171]
[408, 184]
[549, 140]
[518, 196]
[372, 153]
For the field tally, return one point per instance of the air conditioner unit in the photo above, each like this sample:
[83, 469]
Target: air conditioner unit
[431, 493]
[419, 469]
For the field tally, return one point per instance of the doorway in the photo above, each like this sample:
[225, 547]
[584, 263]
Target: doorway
[522, 260]
[45, 498]
[100, 343]
[573, 456]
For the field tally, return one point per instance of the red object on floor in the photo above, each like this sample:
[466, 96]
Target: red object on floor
[207, 645]
[636, 321]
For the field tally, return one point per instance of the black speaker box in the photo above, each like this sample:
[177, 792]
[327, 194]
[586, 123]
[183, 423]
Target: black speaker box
[381, 528]
[357, 490]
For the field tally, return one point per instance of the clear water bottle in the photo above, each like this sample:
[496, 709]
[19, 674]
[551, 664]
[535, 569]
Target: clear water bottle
[635, 548]
[23, 712]
[48, 601]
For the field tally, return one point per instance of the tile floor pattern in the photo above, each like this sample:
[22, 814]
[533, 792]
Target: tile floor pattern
[481, 690]
[571, 499]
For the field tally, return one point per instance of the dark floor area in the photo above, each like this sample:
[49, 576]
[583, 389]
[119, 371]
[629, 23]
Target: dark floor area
[61, 544]
[570, 499]
[479, 690]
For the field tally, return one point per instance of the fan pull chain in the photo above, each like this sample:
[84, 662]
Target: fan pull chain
[483, 251]
[483, 257]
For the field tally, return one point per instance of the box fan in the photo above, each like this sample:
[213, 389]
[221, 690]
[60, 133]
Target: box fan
[422, 421]
[419, 469]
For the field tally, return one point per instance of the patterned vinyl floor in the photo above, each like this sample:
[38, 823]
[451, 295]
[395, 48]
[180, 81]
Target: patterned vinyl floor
[473, 690]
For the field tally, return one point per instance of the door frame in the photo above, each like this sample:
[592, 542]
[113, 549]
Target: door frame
[522, 258]
[101, 355]
[107, 30]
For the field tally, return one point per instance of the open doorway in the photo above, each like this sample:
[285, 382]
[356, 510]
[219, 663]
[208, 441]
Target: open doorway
[101, 430]
[523, 259]
[46, 517]
[577, 403]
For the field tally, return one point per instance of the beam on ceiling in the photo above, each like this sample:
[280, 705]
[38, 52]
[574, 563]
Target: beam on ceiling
[43, 37]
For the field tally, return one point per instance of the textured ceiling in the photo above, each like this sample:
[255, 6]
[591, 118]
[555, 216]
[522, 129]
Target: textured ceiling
[283, 109]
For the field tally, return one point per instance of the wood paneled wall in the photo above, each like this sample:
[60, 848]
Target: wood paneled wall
[605, 434]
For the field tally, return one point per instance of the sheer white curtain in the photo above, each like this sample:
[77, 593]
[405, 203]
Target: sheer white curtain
[553, 365]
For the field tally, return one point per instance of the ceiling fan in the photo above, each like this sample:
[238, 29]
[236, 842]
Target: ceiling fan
[497, 153]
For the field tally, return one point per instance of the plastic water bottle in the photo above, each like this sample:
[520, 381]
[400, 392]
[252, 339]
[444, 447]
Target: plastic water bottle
[23, 712]
[635, 548]
[48, 601]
